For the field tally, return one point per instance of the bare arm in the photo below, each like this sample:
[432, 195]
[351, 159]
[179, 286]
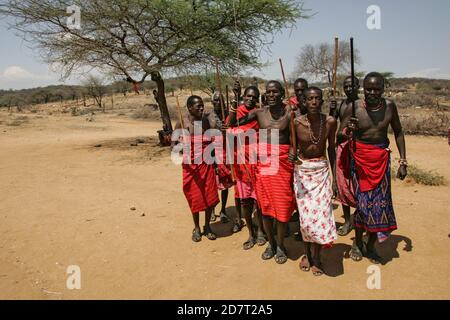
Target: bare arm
[399, 139]
[233, 122]
[174, 143]
[332, 147]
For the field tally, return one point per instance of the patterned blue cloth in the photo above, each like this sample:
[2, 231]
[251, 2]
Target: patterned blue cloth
[374, 209]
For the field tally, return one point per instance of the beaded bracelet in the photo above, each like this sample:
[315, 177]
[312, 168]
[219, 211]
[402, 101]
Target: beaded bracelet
[403, 162]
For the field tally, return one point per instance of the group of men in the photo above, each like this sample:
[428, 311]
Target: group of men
[284, 166]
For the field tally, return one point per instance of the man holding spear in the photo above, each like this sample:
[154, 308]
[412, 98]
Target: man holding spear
[371, 165]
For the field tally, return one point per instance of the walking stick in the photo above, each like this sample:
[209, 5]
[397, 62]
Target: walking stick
[180, 115]
[353, 86]
[335, 63]
[219, 85]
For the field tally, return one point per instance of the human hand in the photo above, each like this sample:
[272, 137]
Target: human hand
[402, 172]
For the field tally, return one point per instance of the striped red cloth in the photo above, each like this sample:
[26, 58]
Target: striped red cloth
[245, 173]
[274, 183]
[199, 180]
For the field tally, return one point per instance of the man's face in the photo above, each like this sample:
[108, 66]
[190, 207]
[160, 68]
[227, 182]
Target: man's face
[273, 95]
[313, 102]
[216, 103]
[251, 98]
[373, 90]
[196, 110]
[299, 87]
[348, 87]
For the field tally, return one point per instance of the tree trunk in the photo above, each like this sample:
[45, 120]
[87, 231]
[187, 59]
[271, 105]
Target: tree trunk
[165, 116]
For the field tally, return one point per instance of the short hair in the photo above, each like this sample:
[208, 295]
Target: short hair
[350, 77]
[375, 75]
[191, 99]
[302, 80]
[255, 88]
[278, 84]
[307, 90]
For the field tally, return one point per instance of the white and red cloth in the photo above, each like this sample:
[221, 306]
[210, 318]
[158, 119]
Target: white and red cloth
[313, 193]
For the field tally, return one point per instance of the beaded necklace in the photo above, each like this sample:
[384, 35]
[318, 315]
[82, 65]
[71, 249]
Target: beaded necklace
[380, 105]
[313, 139]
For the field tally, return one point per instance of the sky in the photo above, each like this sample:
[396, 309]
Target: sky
[413, 42]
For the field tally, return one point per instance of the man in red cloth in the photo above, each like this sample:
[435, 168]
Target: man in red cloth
[371, 166]
[199, 179]
[223, 171]
[274, 174]
[245, 165]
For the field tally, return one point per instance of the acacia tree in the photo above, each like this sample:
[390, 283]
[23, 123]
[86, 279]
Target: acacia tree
[140, 38]
[317, 60]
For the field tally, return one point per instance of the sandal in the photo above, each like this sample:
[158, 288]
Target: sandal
[196, 235]
[345, 229]
[208, 233]
[213, 217]
[304, 266]
[280, 256]
[250, 243]
[316, 271]
[261, 239]
[268, 253]
[355, 252]
[316, 268]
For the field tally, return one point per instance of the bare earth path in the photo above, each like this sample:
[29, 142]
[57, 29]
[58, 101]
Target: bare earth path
[65, 202]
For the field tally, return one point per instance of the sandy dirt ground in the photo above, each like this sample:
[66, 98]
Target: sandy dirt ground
[65, 202]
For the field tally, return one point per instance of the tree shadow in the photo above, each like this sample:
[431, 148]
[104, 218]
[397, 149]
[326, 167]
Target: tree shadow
[388, 250]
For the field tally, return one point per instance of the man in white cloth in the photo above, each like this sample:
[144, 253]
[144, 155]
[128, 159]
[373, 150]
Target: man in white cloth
[313, 180]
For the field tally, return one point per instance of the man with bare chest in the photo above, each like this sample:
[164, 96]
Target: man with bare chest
[274, 174]
[371, 166]
[313, 181]
[345, 187]
[199, 180]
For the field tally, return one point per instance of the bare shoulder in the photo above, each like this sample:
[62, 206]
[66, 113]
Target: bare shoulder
[390, 103]
[302, 120]
[331, 120]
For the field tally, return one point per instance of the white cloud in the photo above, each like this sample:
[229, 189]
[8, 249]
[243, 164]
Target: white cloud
[431, 73]
[14, 73]
[17, 77]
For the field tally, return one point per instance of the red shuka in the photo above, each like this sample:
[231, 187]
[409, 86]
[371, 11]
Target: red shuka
[199, 181]
[371, 164]
[274, 188]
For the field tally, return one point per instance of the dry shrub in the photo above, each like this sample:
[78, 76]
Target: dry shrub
[418, 175]
[433, 123]
[17, 121]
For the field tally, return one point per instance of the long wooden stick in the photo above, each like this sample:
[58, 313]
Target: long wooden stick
[353, 84]
[180, 114]
[292, 123]
[228, 101]
[286, 86]
[335, 63]
[219, 85]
